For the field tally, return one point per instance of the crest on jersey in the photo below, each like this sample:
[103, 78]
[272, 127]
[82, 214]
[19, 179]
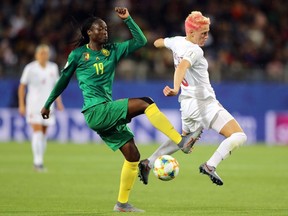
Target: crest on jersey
[105, 52]
[86, 56]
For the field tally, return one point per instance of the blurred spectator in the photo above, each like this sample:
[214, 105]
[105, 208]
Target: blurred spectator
[248, 43]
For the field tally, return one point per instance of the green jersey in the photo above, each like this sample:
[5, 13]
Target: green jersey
[95, 69]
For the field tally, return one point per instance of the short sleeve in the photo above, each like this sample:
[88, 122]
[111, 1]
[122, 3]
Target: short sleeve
[25, 75]
[192, 55]
[168, 43]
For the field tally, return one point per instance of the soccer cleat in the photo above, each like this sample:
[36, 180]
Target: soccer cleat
[39, 168]
[144, 171]
[188, 141]
[211, 172]
[126, 207]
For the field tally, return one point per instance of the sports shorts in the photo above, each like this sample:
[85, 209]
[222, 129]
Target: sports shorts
[208, 113]
[36, 118]
[109, 121]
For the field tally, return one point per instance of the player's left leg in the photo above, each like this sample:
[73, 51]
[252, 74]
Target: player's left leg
[38, 146]
[128, 176]
[167, 148]
[235, 137]
[137, 106]
[226, 125]
[44, 140]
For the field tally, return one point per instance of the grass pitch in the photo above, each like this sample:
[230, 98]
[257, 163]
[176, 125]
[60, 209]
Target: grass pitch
[84, 180]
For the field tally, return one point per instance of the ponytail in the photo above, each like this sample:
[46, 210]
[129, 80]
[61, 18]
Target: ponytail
[84, 37]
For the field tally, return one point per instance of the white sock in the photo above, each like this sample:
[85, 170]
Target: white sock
[226, 147]
[44, 141]
[37, 147]
[166, 148]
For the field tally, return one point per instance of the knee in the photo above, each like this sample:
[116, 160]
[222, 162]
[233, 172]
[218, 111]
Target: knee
[240, 139]
[133, 157]
[147, 100]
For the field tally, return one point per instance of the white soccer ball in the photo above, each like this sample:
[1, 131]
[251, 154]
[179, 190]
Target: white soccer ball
[166, 168]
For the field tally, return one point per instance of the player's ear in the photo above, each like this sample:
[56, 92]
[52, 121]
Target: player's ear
[192, 33]
[89, 32]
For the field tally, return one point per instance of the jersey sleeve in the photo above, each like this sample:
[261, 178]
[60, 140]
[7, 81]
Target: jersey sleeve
[63, 80]
[25, 75]
[169, 42]
[129, 46]
[192, 55]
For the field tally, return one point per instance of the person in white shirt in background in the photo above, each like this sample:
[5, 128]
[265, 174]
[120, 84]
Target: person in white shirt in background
[38, 80]
[199, 106]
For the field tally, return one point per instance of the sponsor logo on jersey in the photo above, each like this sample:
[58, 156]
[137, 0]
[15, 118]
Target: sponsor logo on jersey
[105, 52]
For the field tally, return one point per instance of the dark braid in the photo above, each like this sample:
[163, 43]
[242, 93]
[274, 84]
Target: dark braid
[84, 38]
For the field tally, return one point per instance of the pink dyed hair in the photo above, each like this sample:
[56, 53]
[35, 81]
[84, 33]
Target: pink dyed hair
[195, 21]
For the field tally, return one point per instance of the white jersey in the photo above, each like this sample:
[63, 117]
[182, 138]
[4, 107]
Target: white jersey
[40, 82]
[196, 83]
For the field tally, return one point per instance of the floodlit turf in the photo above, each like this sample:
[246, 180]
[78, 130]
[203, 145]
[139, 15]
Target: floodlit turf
[84, 180]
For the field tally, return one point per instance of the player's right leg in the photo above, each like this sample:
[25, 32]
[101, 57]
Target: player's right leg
[37, 147]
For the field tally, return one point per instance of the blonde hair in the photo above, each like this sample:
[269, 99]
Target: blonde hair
[42, 53]
[42, 46]
[195, 21]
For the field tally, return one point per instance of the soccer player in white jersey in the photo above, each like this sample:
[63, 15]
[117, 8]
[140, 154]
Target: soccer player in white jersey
[199, 106]
[38, 79]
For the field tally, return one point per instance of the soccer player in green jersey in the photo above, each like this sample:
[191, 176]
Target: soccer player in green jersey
[94, 63]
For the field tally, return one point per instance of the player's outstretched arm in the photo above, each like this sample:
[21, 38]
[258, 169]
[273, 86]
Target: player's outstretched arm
[122, 12]
[159, 43]
[139, 39]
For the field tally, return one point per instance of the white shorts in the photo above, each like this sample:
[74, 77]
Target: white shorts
[36, 118]
[207, 113]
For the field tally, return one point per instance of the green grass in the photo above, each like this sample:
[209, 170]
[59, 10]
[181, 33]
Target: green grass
[84, 180]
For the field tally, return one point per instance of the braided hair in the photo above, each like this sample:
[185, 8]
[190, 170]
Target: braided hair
[84, 38]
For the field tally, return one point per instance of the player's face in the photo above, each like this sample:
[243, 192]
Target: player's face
[98, 32]
[42, 55]
[200, 37]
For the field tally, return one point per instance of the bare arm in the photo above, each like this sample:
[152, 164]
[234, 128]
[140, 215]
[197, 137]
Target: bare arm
[159, 43]
[178, 78]
[21, 99]
[59, 104]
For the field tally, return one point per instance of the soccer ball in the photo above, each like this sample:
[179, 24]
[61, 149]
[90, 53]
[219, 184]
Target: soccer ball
[166, 168]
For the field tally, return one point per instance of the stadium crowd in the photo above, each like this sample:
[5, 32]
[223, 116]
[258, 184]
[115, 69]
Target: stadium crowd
[247, 40]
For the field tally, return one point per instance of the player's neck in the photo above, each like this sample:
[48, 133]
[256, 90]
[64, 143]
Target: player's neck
[43, 64]
[95, 46]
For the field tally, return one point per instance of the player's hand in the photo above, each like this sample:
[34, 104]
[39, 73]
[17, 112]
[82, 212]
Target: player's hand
[167, 91]
[122, 12]
[45, 113]
[22, 110]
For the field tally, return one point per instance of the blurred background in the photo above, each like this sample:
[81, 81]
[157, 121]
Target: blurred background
[247, 53]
